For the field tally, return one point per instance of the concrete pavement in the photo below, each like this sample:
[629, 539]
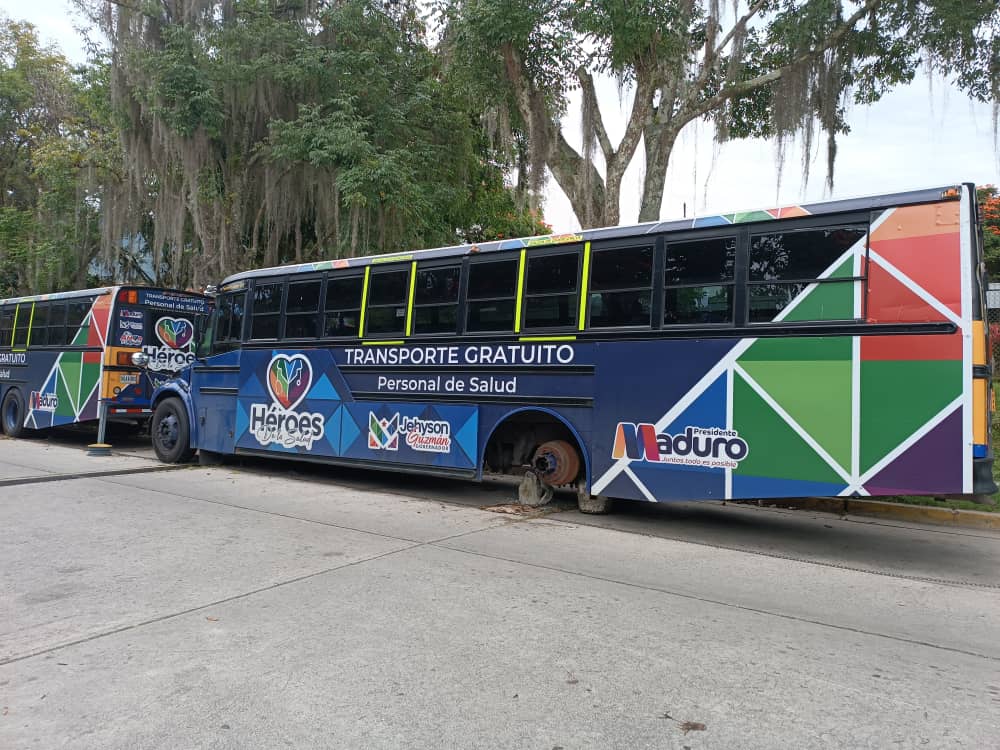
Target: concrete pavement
[231, 608]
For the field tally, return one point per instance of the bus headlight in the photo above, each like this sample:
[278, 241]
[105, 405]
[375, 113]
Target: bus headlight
[140, 359]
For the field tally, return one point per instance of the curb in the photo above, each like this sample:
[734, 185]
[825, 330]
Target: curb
[967, 519]
[88, 475]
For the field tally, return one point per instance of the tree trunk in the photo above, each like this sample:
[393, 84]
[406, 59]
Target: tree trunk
[613, 192]
[355, 220]
[586, 193]
[659, 141]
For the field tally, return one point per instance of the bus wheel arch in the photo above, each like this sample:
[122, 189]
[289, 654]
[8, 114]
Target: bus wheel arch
[12, 413]
[540, 440]
[170, 430]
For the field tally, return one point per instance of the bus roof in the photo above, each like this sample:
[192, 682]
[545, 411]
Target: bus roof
[99, 291]
[926, 195]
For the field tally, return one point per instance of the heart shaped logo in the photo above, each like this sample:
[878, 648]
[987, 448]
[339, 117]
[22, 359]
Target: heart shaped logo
[288, 379]
[174, 332]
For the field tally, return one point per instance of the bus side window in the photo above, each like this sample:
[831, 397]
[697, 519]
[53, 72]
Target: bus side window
[228, 322]
[22, 323]
[699, 278]
[435, 307]
[206, 326]
[6, 326]
[551, 290]
[342, 309]
[783, 264]
[301, 309]
[223, 318]
[266, 310]
[621, 287]
[387, 292]
[76, 314]
[40, 325]
[57, 324]
[238, 308]
[492, 295]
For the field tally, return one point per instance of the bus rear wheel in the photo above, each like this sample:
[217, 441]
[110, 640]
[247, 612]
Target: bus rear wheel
[171, 432]
[12, 413]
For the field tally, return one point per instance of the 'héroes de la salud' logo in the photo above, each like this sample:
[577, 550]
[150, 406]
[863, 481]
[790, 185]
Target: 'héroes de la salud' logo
[288, 381]
[176, 336]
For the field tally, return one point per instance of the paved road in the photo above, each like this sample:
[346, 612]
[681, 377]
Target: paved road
[271, 605]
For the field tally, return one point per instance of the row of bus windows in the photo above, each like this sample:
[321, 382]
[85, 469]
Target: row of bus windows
[53, 323]
[698, 281]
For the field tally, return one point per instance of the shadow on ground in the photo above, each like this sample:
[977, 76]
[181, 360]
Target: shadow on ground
[885, 547]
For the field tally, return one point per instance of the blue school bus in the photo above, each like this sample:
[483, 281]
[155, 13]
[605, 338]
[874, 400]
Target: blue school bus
[66, 358]
[826, 349]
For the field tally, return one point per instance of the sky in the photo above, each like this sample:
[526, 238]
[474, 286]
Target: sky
[922, 135]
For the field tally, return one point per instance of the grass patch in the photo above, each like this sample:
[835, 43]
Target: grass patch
[937, 502]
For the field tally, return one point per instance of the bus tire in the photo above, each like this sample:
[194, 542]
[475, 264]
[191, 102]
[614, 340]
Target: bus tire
[12, 413]
[171, 432]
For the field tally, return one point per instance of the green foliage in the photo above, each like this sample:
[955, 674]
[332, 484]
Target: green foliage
[989, 209]
[54, 148]
[783, 70]
[180, 90]
[492, 213]
[259, 133]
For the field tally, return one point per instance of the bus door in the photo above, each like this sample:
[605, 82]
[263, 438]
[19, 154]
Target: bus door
[216, 374]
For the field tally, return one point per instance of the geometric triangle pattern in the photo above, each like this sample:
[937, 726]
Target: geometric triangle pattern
[782, 452]
[75, 377]
[847, 415]
[796, 384]
[678, 480]
[899, 397]
[919, 469]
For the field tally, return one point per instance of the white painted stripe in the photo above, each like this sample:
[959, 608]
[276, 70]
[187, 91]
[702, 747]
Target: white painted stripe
[675, 411]
[723, 365]
[965, 248]
[729, 425]
[850, 491]
[642, 488]
[856, 379]
[826, 274]
[918, 290]
[799, 430]
[59, 375]
[881, 220]
[908, 443]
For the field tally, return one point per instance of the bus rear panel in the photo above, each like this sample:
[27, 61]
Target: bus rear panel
[64, 357]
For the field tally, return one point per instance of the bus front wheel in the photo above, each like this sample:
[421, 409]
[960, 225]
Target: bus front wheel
[171, 432]
[12, 413]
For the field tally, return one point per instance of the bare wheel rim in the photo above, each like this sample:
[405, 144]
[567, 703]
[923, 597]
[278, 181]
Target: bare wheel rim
[556, 462]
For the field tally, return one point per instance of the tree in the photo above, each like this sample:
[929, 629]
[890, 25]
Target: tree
[54, 158]
[770, 68]
[257, 132]
[989, 208]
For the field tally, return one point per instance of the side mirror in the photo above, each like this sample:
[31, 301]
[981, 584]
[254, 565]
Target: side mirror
[140, 359]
